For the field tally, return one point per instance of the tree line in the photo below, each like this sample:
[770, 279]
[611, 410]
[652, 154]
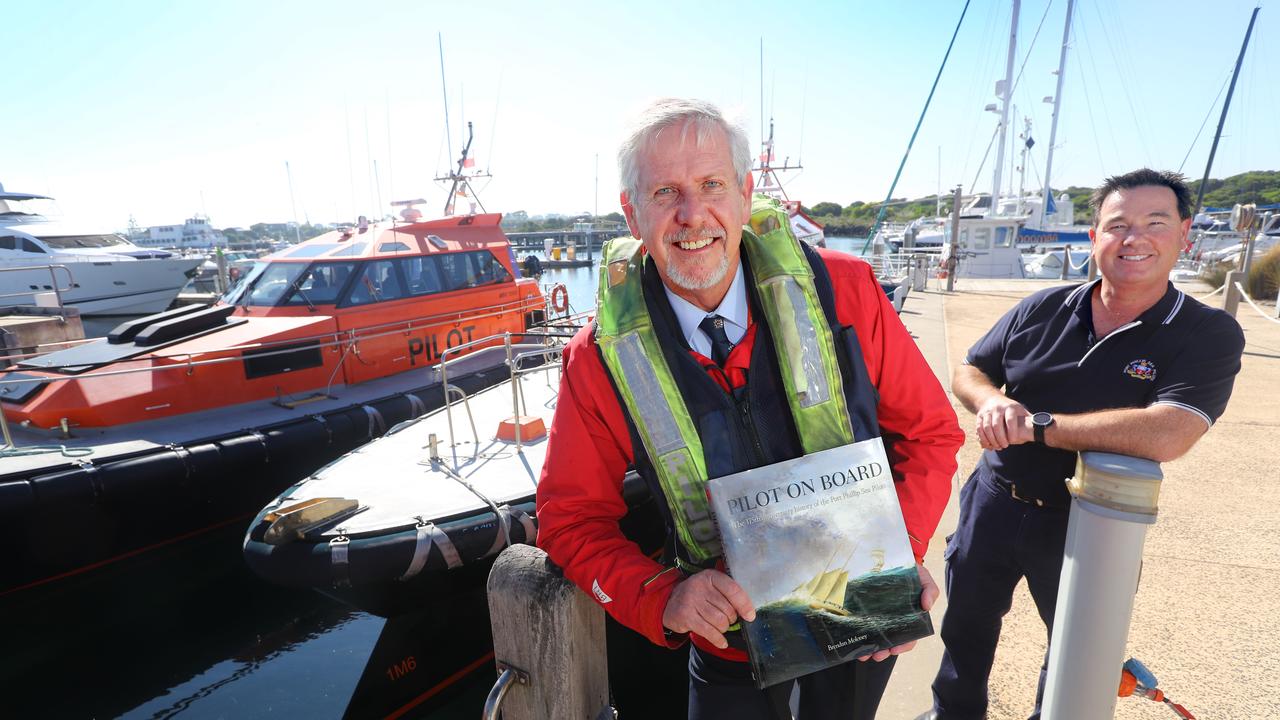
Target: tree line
[1261, 187]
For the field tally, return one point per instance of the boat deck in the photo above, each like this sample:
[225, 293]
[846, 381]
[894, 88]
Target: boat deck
[409, 486]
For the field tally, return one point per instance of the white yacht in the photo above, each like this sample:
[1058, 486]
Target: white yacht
[99, 273]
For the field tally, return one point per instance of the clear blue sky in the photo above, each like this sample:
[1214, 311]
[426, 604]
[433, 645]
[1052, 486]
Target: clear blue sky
[164, 109]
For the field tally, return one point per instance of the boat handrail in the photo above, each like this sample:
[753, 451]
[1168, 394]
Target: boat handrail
[53, 280]
[186, 361]
[514, 378]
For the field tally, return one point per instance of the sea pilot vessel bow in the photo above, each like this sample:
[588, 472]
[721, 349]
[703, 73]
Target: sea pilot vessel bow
[195, 417]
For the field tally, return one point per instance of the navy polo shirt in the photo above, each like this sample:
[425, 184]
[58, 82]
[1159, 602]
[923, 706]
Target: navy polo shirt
[1043, 352]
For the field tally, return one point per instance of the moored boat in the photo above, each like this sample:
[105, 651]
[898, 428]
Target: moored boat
[98, 272]
[194, 418]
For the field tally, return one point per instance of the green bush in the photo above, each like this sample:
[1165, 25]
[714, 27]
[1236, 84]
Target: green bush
[1216, 274]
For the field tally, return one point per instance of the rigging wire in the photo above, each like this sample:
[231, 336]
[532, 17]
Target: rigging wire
[1097, 76]
[1208, 114]
[493, 125]
[1122, 72]
[977, 80]
[1088, 102]
[1030, 101]
[985, 155]
[880, 216]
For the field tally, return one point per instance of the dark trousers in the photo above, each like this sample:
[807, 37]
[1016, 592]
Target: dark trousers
[723, 690]
[997, 542]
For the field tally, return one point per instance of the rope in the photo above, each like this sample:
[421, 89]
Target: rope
[1249, 300]
[1083, 262]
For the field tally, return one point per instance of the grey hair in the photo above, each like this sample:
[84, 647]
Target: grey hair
[699, 115]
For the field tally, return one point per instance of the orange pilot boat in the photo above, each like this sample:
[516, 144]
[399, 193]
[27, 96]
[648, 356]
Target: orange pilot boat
[193, 418]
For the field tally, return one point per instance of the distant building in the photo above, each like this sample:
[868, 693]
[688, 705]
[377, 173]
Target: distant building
[196, 232]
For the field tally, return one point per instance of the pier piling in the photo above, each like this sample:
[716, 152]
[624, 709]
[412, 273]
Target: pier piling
[548, 642]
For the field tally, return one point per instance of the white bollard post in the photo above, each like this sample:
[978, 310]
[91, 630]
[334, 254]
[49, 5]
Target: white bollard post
[1113, 500]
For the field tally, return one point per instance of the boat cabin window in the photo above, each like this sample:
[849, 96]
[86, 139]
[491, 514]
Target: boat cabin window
[71, 242]
[470, 269]
[981, 239]
[379, 281]
[422, 274]
[8, 242]
[1004, 238]
[320, 283]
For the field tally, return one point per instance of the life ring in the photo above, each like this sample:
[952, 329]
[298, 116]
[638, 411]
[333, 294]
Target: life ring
[560, 299]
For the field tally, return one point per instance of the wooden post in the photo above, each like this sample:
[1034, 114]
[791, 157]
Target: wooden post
[547, 629]
[953, 262]
[1066, 261]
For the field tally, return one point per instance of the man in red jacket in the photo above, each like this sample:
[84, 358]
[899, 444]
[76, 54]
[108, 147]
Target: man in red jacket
[687, 195]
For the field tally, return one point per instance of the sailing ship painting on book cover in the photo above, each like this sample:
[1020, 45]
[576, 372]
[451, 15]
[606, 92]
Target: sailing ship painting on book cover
[819, 545]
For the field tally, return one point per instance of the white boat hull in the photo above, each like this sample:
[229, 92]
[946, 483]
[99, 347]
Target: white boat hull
[101, 286]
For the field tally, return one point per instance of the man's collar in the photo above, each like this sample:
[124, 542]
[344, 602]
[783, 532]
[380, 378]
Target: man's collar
[1162, 313]
[733, 308]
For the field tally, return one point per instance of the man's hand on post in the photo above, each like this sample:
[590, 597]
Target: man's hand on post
[1003, 422]
[928, 595]
[707, 604]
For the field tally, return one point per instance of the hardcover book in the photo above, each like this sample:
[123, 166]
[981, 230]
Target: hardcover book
[820, 547]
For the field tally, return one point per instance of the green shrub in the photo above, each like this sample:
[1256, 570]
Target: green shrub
[1216, 274]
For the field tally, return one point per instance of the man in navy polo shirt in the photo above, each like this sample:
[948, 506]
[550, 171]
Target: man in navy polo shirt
[1125, 364]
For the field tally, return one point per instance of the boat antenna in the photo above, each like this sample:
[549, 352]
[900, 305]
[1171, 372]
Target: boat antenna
[1226, 104]
[297, 231]
[762, 86]
[460, 181]
[391, 185]
[885, 206]
[444, 90]
[1046, 200]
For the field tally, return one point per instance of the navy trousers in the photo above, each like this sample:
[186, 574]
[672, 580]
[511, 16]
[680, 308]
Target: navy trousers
[997, 542]
[723, 690]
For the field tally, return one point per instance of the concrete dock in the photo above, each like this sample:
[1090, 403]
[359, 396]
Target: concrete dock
[1209, 596]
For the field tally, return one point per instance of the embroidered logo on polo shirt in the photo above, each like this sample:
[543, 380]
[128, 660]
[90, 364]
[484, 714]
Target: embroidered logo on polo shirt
[1141, 369]
[600, 594]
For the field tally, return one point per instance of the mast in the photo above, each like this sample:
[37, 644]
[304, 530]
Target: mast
[1046, 200]
[1225, 105]
[1025, 137]
[1004, 89]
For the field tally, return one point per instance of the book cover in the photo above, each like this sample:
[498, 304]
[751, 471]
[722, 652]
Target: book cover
[820, 547]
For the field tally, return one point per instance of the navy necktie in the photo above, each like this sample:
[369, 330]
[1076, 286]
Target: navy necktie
[713, 326]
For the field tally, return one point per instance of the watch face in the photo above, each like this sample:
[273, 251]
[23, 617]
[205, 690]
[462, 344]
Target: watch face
[1042, 419]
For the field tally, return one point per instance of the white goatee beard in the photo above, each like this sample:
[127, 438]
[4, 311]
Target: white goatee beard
[688, 282]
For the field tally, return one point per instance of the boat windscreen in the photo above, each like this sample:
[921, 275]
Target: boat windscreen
[71, 242]
[268, 286]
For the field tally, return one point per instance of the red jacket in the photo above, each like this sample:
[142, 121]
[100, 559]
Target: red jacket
[580, 493]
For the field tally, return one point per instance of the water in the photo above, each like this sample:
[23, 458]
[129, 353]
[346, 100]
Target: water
[188, 631]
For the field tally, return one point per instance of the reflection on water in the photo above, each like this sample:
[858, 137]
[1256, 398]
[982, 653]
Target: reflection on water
[188, 631]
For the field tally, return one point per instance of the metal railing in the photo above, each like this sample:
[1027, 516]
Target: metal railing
[514, 356]
[53, 281]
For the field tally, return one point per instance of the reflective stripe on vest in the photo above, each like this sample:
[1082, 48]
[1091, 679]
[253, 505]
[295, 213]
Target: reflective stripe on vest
[803, 344]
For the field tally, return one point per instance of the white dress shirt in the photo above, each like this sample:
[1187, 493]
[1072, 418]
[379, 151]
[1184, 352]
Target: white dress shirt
[733, 308]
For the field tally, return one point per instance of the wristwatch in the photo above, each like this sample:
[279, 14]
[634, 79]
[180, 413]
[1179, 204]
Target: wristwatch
[1039, 422]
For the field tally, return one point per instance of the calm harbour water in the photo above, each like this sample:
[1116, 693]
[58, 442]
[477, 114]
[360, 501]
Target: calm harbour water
[188, 631]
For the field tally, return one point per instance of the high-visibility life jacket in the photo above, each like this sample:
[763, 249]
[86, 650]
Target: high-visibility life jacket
[828, 396]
